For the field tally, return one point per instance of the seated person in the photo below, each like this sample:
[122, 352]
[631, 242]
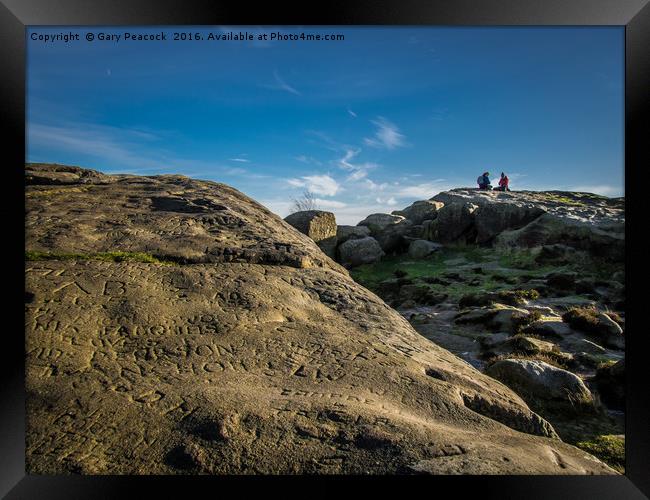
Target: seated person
[483, 181]
[503, 183]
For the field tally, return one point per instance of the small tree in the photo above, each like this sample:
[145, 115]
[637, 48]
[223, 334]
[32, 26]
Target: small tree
[306, 201]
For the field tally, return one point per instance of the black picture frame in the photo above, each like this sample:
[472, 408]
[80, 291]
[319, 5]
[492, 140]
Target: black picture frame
[16, 15]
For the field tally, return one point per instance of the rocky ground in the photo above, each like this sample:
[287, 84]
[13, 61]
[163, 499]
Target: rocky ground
[544, 313]
[177, 326]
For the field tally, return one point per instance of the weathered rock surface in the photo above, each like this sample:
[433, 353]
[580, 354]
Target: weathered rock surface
[539, 380]
[344, 233]
[420, 211]
[320, 226]
[378, 222]
[454, 224]
[360, 251]
[255, 353]
[582, 221]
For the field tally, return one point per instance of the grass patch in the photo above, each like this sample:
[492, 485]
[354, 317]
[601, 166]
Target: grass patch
[609, 448]
[101, 256]
[508, 297]
[556, 198]
[44, 193]
[370, 275]
[550, 357]
[585, 319]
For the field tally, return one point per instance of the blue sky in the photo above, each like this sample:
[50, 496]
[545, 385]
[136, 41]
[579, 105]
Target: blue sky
[368, 124]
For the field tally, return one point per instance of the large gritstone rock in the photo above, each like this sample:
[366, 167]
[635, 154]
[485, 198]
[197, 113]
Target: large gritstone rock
[583, 221]
[454, 224]
[360, 251]
[537, 380]
[378, 222]
[492, 219]
[392, 232]
[420, 211]
[175, 326]
[319, 226]
[344, 233]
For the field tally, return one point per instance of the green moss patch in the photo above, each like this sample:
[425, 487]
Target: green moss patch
[101, 256]
[609, 448]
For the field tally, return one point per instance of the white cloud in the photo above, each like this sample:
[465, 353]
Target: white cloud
[352, 113]
[373, 186]
[329, 203]
[280, 84]
[318, 184]
[242, 160]
[391, 202]
[357, 175]
[387, 135]
[359, 170]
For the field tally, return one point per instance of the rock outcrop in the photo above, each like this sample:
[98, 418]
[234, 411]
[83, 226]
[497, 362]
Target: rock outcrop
[320, 226]
[537, 380]
[582, 221]
[420, 211]
[177, 326]
[359, 251]
[344, 233]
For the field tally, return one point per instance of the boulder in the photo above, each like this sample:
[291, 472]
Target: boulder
[553, 328]
[537, 380]
[454, 224]
[395, 238]
[524, 345]
[605, 240]
[494, 218]
[420, 211]
[319, 226]
[360, 251]
[510, 319]
[344, 233]
[176, 326]
[378, 222]
[597, 323]
[420, 249]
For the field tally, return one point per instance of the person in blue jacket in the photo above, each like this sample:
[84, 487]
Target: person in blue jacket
[483, 181]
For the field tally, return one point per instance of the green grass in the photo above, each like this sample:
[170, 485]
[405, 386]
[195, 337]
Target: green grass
[101, 256]
[370, 275]
[562, 199]
[609, 448]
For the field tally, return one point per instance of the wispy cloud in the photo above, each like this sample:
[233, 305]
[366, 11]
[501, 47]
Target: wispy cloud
[318, 184]
[307, 159]
[280, 84]
[387, 135]
[391, 202]
[241, 160]
[117, 149]
[359, 170]
[352, 113]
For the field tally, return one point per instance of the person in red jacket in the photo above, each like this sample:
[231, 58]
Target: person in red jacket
[503, 183]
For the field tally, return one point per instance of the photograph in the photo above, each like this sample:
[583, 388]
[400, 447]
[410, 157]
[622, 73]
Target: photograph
[325, 250]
